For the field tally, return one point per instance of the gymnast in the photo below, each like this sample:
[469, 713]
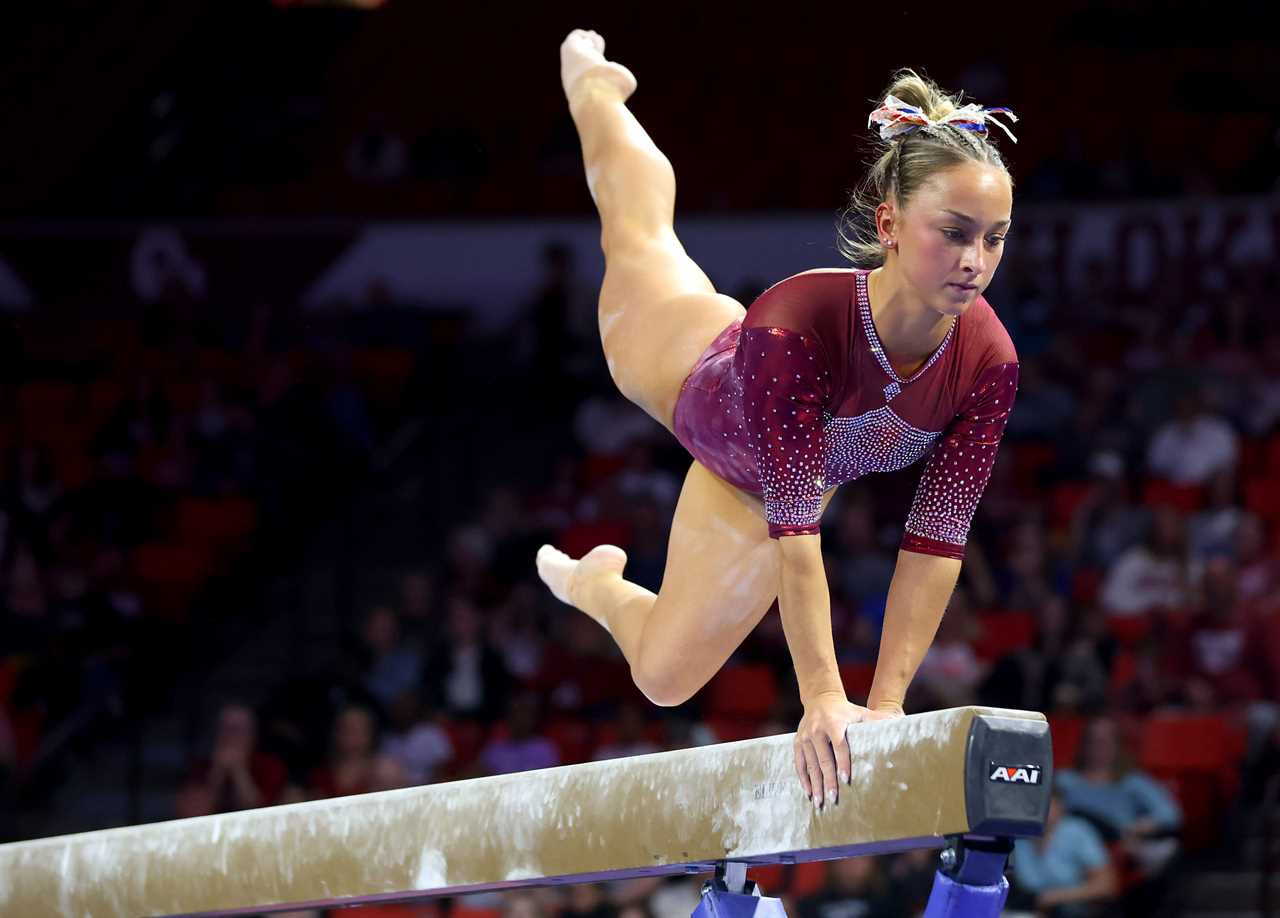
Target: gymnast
[832, 373]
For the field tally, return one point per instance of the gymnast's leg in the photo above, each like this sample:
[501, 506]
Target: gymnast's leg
[657, 310]
[720, 579]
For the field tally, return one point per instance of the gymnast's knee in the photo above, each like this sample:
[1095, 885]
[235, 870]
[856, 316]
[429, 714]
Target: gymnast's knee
[662, 683]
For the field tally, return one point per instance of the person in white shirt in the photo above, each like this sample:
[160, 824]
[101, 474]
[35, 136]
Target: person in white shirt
[1193, 446]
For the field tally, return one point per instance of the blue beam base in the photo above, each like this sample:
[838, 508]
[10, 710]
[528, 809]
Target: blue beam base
[953, 899]
[717, 903]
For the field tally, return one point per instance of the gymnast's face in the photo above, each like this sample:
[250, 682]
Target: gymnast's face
[951, 233]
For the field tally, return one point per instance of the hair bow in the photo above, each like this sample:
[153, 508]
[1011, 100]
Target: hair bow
[897, 117]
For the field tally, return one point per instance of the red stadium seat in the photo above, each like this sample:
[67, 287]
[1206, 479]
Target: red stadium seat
[217, 523]
[1176, 743]
[170, 575]
[1123, 669]
[857, 680]
[399, 910]
[572, 738]
[1161, 493]
[466, 737]
[742, 691]
[769, 877]
[46, 405]
[1066, 731]
[1003, 633]
[606, 734]
[462, 910]
[732, 729]
[1064, 500]
[807, 878]
[1029, 462]
[1128, 630]
[1262, 496]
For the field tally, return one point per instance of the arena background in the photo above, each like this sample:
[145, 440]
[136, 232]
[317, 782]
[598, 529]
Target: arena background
[298, 367]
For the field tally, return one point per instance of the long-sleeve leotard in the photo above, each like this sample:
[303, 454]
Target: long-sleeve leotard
[799, 398]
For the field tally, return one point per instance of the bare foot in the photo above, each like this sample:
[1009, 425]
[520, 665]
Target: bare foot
[565, 576]
[582, 52]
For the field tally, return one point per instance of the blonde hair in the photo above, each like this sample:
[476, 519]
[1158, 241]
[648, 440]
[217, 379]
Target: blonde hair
[906, 162]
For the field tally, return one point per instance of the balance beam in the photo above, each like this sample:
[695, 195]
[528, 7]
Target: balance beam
[915, 781]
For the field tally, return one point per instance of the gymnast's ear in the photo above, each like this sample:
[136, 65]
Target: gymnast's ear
[887, 222]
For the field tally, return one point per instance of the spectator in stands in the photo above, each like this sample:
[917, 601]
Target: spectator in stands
[1107, 521]
[1127, 806]
[33, 492]
[522, 905]
[8, 758]
[1066, 872]
[414, 740]
[520, 749]
[1262, 415]
[588, 900]
[378, 153]
[950, 673]
[354, 766]
[647, 553]
[236, 775]
[1045, 406]
[630, 737]
[1258, 570]
[1213, 530]
[464, 674]
[518, 631]
[1193, 446]
[1028, 581]
[417, 592]
[142, 418]
[389, 665]
[866, 568]
[1152, 575]
[1220, 654]
[855, 887]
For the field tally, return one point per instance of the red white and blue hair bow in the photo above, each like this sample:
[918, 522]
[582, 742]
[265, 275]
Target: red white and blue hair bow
[896, 117]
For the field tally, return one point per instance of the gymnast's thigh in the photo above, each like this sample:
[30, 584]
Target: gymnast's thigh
[721, 577]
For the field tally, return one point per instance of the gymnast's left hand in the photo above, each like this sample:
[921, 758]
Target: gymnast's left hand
[823, 760]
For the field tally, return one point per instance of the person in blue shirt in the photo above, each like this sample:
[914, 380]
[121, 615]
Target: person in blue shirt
[1067, 872]
[1125, 805]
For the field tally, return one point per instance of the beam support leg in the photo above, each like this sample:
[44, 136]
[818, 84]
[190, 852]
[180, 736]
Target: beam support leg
[971, 882]
[731, 895]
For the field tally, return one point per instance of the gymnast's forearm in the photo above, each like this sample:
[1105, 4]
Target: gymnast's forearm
[805, 605]
[918, 595]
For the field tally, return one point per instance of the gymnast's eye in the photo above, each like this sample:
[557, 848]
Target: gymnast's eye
[953, 234]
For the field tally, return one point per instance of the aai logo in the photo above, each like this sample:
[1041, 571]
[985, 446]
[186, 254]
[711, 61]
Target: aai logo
[1015, 774]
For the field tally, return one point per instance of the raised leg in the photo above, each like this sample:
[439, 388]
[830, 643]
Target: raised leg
[658, 310]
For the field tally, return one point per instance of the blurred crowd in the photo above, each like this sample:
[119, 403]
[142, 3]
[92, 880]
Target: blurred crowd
[147, 475]
[1122, 577]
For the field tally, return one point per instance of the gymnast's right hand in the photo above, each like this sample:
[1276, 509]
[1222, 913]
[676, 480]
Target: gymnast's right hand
[822, 751]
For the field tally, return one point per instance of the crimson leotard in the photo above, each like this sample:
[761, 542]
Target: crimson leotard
[799, 398]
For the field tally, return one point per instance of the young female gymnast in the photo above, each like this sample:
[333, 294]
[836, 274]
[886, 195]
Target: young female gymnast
[830, 374]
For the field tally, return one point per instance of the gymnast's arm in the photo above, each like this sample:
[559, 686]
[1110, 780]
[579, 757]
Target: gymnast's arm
[918, 595]
[937, 528]
[805, 605]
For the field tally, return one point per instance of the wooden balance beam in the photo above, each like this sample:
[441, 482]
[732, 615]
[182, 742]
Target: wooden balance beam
[915, 781]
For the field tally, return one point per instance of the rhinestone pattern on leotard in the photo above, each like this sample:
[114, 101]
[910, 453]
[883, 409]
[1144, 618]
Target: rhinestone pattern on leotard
[896, 382]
